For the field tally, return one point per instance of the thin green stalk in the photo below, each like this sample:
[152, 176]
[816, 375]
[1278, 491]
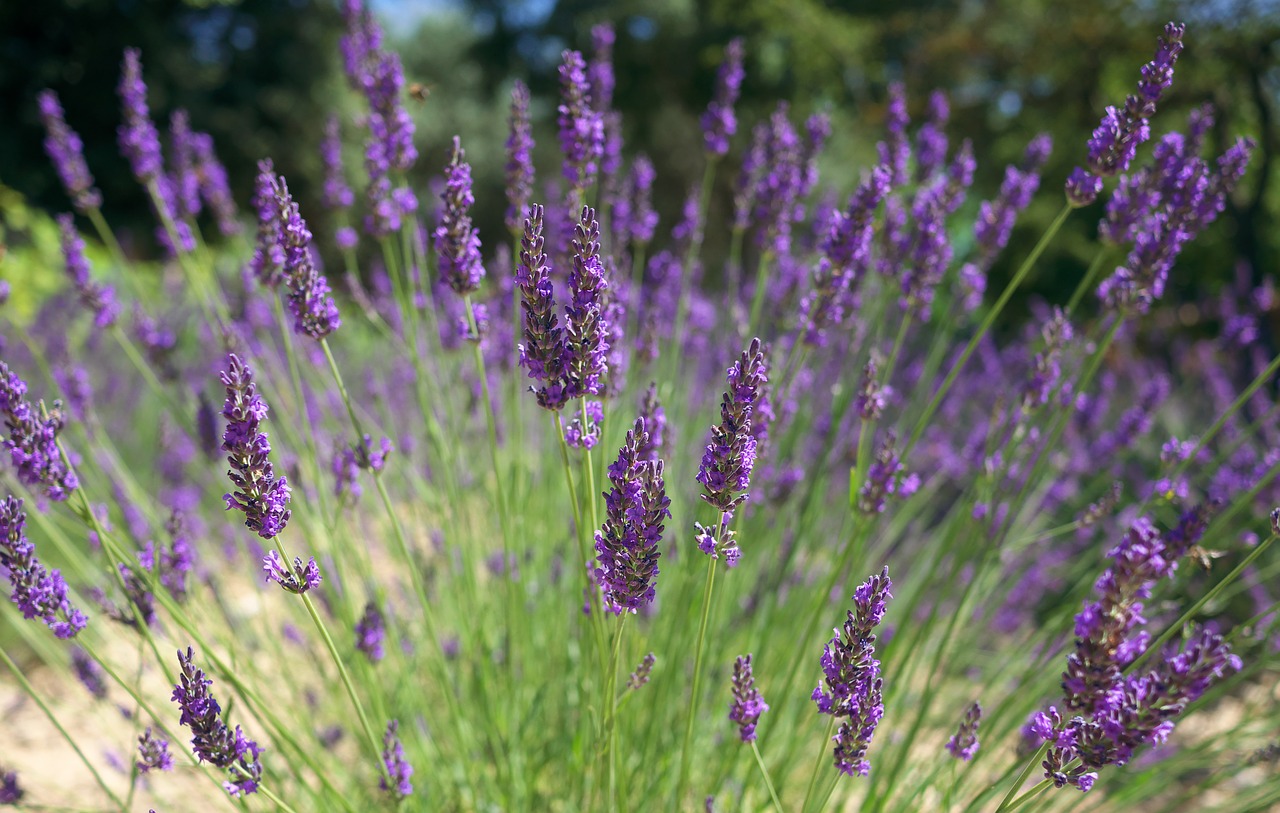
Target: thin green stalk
[280, 803]
[1022, 777]
[1018, 278]
[764, 773]
[817, 765]
[685, 753]
[31, 692]
[757, 299]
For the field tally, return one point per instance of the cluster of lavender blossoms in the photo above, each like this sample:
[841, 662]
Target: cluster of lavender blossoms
[315, 314]
[263, 497]
[98, 299]
[730, 454]
[65, 149]
[1118, 706]
[37, 592]
[211, 738]
[627, 545]
[748, 704]
[32, 439]
[851, 673]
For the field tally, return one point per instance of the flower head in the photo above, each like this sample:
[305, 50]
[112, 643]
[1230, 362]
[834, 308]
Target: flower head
[32, 440]
[581, 124]
[314, 312]
[212, 739]
[298, 580]
[519, 157]
[66, 151]
[543, 352]
[397, 768]
[153, 753]
[719, 123]
[730, 453]
[262, 496]
[371, 632]
[457, 241]
[627, 545]
[748, 704]
[37, 592]
[585, 329]
[97, 298]
[964, 743]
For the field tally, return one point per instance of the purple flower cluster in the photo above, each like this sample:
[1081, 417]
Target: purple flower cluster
[627, 544]
[519, 157]
[37, 592]
[641, 675]
[852, 676]
[543, 352]
[747, 704]
[86, 670]
[398, 769]
[98, 299]
[212, 740]
[994, 226]
[262, 496]
[1118, 709]
[581, 124]
[779, 181]
[921, 255]
[730, 454]
[1115, 142]
[171, 563]
[215, 189]
[182, 167]
[153, 753]
[586, 330]
[32, 440]
[886, 477]
[457, 241]
[719, 124]
[66, 151]
[895, 150]
[10, 791]
[336, 194]
[964, 743]
[844, 261]
[655, 424]
[371, 633]
[310, 301]
[267, 262]
[1158, 209]
[378, 76]
[297, 580]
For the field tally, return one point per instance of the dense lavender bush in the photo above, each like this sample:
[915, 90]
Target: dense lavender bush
[510, 612]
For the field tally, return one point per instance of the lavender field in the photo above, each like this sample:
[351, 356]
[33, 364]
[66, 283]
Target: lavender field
[399, 513]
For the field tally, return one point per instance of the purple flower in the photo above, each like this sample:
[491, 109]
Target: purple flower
[298, 580]
[268, 254]
[779, 183]
[627, 545]
[215, 189]
[336, 193]
[314, 312]
[586, 333]
[519, 157]
[964, 743]
[10, 791]
[212, 740]
[581, 124]
[32, 440]
[851, 673]
[886, 477]
[730, 454]
[931, 141]
[182, 163]
[153, 753]
[719, 124]
[457, 241]
[1115, 142]
[66, 151]
[97, 298]
[86, 671]
[600, 71]
[641, 675]
[748, 704]
[873, 395]
[262, 496]
[397, 768]
[371, 633]
[895, 150]
[644, 220]
[580, 436]
[543, 352]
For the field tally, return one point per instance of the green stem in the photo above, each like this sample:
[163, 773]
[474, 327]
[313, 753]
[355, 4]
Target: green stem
[1018, 278]
[685, 753]
[817, 765]
[764, 773]
[31, 692]
[1022, 777]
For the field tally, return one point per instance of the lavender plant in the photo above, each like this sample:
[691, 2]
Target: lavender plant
[1075, 511]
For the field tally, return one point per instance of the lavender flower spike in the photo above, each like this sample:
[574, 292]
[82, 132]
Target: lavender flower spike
[336, 194]
[298, 580]
[268, 253]
[852, 676]
[964, 743]
[542, 354]
[730, 454]
[66, 151]
[97, 298]
[457, 241]
[153, 753]
[397, 768]
[519, 157]
[37, 592]
[371, 632]
[719, 123]
[212, 740]
[586, 333]
[262, 497]
[32, 440]
[627, 545]
[314, 312]
[581, 125]
[748, 704]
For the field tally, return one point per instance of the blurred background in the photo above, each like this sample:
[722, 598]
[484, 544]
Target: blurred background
[262, 76]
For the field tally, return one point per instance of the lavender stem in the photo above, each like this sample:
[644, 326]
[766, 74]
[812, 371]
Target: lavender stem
[817, 765]
[764, 772]
[685, 754]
